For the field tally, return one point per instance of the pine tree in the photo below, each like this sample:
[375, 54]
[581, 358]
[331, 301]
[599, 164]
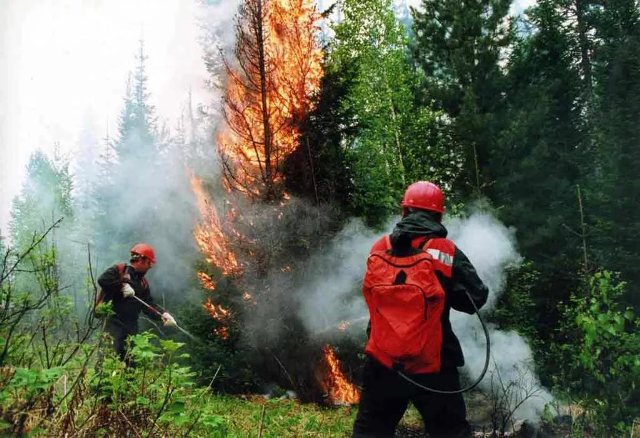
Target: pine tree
[459, 48]
[270, 81]
[129, 172]
[614, 187]
[45, 197]
[540, 153]
[137, 128]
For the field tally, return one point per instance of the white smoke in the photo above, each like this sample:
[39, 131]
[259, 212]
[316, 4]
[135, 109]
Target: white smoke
[489, 245]
[89, 43]
[331, 295]
[491, 248]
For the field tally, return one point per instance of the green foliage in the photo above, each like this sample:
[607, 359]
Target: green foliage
[602, 353]
[45, 196]
[541, 151]
[137, 130]
[387, 129]
[459, 48]
[515, 309]
[319, 168]
[157, 393]
[614, 186]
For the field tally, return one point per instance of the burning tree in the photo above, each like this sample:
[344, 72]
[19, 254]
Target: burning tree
[270, 82]
[277, 68]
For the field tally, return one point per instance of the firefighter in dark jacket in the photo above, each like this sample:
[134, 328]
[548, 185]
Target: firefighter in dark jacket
[120, 283]
[385, 394]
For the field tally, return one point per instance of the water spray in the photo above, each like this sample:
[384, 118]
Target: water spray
[159, 313]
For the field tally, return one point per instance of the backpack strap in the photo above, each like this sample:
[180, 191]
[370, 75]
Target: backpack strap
[101, 296]
[443, 251]
[124, 275]
[122, 272]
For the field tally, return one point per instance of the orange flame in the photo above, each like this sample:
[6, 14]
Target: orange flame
[210, 236]
[218, 313]
[263, 122]
[340, 390]
[207, 281]
[221, 315]
[260, 130]
[222, 332]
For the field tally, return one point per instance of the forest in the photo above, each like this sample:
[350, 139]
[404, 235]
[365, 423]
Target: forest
[262, 207]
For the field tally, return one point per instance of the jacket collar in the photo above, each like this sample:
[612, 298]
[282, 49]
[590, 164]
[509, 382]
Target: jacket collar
[415, 224]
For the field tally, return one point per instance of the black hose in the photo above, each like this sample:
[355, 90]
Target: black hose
[484, 370]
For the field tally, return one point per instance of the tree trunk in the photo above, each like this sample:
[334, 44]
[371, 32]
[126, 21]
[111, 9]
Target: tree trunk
[266, 123]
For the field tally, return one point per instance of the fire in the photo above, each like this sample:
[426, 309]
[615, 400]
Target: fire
[222, 332]
[267, 98]
[221, 315]
[210, 236]
[340, 390]
[343, 326]
[218, 313]
[207, 281]
[269, 86]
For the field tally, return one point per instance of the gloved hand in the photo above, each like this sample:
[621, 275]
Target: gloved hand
[167, 319]
[127, 290]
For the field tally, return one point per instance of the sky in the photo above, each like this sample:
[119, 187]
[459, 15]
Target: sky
[64, 66]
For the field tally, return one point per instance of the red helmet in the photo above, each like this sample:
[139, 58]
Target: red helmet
[424, 195]
[144, 250]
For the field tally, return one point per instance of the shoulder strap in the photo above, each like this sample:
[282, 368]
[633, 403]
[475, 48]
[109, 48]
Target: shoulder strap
[443, 251]
[124, 275]
[122, 271]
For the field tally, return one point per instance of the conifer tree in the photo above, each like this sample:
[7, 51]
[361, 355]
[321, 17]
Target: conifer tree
[137, 128]
[540, 154]
[275, 70]
[459, 48]
[613, 187]
[45, 197]
[129, 172]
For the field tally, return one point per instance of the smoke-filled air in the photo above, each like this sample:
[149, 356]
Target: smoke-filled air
[309, 218]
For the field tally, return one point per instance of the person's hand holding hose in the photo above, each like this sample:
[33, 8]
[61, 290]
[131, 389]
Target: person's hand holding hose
[168, 320]
[127, 290]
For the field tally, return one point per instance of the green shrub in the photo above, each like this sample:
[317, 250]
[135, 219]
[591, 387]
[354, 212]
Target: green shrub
[601, 355]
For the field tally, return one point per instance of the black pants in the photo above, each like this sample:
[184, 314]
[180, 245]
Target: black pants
[120, 331]
[386, 396]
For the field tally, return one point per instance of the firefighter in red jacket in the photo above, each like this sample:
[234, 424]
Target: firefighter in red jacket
[119, 283]
[385, 394]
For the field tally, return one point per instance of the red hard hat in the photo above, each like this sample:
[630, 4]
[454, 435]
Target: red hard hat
[144, 250]
[424, 195]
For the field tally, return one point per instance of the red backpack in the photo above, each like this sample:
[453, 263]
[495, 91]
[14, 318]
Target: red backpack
[406, 302]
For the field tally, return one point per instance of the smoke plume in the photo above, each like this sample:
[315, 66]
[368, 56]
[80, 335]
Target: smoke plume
[491, 248]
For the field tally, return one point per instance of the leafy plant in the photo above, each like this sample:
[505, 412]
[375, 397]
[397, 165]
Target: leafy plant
[602, 354]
